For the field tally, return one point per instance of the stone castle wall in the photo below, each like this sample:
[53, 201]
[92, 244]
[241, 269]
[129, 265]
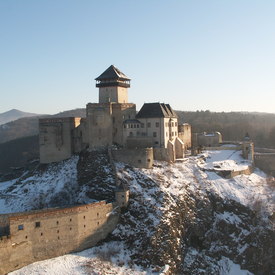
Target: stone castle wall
[56, 139]
[43, 234]
[141, 157]
[184, 133]
[266, 162]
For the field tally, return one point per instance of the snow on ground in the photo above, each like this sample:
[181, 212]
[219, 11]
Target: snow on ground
[172, 179]
[225, 160]
[230, 268]
[109, 258]
[28, 192]
[246, 189]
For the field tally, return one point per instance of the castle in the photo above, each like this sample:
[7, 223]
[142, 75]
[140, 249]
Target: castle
[136, 138]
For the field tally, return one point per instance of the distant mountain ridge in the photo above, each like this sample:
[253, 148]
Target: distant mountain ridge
[14, 114]
[28, 126]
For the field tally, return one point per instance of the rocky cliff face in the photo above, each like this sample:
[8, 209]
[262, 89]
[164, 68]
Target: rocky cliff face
[95, 175]
[180, 218]
[173, 219]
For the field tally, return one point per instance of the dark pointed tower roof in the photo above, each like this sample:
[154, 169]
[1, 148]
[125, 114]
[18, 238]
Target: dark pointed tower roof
[113, 77]
[112, 73]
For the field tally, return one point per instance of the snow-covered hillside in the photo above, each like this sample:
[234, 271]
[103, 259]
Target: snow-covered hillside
[52, 187]
[181, 218]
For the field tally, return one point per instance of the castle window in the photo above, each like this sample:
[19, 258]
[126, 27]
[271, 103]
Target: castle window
[84, 217]
[21, 227]
[37, 224]
[154, 134]
[148, 160]
[142, 125]
[137, 125]
[131, 125]
[41, 234]
[157, 124]
[148, 124]
[57, 222]
[57, 231]
[172, 124]
[176, 124]
[26, 237]
[70, 220]
[156, 142]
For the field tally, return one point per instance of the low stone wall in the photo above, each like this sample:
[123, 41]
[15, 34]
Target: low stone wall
[44, 234]
[228, 174]
[237, 148]
[247, 171]
[264, 150]
[139, 157]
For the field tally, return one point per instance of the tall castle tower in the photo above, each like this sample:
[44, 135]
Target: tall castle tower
[105, 118]
[113, 86]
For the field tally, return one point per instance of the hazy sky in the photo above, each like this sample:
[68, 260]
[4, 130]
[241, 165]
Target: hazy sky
[195, 55]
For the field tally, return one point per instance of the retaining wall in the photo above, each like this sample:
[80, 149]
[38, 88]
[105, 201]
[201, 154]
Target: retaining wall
[140, 157]
[49, 233]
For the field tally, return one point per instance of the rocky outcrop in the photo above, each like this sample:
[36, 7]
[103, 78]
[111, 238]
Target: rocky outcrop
[95, 174]
[192, 231]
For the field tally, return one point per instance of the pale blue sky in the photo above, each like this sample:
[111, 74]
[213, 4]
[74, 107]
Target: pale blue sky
[195, 55]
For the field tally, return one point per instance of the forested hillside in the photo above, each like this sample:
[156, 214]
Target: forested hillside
[17, 153]
[234, 125]
[29, 126]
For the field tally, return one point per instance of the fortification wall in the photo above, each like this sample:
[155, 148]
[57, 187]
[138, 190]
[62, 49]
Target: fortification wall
[44, 234]
[55, 138]
[232, 174]
[141, 157]
[164, 154]
[120, 112]
[264, 150]
[235, 148]
[266, 162]
[184, 133]
[99, 124]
